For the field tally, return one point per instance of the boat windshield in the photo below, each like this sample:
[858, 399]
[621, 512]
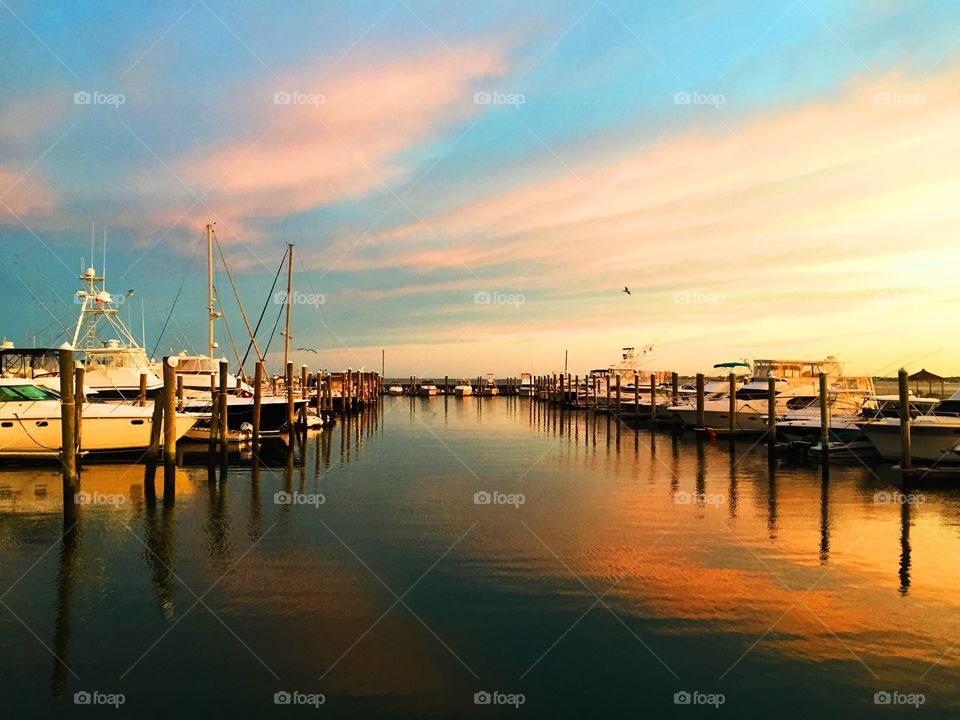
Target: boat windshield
[20, 393]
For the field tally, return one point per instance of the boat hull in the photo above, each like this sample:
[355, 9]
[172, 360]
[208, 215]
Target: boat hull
[928, 442]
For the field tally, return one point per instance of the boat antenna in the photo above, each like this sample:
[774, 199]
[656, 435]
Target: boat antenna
[211, 311]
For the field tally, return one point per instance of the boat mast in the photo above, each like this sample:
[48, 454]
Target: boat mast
[286, 332]
[210, 311]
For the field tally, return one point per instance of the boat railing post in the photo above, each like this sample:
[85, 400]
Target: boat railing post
[68, 419]
[701, 414]
[906, 454]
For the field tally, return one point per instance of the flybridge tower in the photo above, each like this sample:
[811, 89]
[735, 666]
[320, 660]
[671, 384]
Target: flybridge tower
[97, 310]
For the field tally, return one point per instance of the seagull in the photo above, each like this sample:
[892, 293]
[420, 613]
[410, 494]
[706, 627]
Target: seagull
[307, 350]
[627, 290]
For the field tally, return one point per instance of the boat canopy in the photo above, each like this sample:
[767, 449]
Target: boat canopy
[738, 363]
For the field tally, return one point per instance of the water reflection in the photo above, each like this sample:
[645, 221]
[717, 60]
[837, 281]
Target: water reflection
[798, 558]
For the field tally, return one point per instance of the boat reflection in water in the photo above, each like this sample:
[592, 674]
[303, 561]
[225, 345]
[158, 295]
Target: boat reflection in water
[634, 567]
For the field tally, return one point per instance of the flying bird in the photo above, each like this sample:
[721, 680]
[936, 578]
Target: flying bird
[307, 350]
[627, 290]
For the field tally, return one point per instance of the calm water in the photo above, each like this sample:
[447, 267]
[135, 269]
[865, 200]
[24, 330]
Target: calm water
[621, 568]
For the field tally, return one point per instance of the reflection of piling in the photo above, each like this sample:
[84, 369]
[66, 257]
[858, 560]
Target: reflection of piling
[68, 419]
[905, 451]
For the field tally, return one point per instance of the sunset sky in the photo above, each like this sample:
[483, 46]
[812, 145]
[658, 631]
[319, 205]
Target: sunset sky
[471, 185]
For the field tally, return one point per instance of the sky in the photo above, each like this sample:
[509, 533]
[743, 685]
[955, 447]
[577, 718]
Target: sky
[470, 186]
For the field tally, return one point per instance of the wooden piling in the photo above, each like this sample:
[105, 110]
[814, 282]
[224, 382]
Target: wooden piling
[906, 454]
[156, 427]
[772, 409]
[733, 403]
[169, 411]
[179, 393]
[636, 393]
[701, 415]
[290, 403]
[257, 402]
[824, 415]
[653, 397]
[68, 418]
[142, 397]
[303, 382]
[675, 386]
[222, 397]
[79, 398]
[606, 398]
[618, 391]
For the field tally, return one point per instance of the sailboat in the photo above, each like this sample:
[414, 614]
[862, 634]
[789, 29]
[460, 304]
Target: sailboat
[200, 372]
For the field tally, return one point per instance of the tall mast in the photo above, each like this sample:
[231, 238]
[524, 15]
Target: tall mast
[210, 310]
[286, 332]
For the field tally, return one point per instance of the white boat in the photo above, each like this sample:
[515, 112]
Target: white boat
[714, 390]
[850, 399]
[30, 422]
[463, 388]
[793, 378]
[395, 390]
[527, 387]
[429, 390]
[634, 378]
[934, 437]
[489, 387]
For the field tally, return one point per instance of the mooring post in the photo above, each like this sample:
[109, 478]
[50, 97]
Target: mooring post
[222, 397]
[68, 418]
[156, 426]
[701, 415]
[257, 401]
[733, 403]
[169, 411]
[214, 421]
[824, 416]
[562, 390]
[618, 392]
[79, 398]
[142, 396]
[636, 393]
[303, 382]
[606, 397]
[290, 403]
[653, 397]
[772, 409]
[675, 385]
[179, 393]
[906, 455]
[576, 391]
